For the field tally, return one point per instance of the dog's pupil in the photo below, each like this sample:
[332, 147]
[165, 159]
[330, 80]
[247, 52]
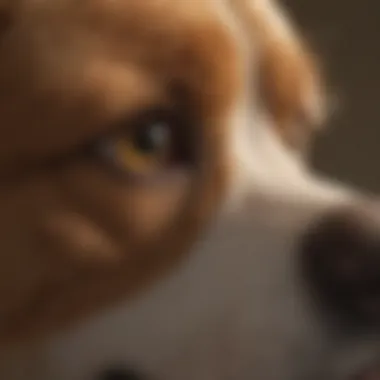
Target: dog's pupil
[152, 137]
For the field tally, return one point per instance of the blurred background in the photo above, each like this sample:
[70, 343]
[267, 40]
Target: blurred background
[346, 34]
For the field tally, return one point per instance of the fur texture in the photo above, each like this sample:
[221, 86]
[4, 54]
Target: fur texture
[195, 276]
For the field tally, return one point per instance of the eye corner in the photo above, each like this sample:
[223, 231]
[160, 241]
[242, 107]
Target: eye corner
[149, 145]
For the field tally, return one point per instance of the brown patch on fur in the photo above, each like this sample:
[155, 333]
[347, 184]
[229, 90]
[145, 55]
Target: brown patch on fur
[73, 237]
[290, 79]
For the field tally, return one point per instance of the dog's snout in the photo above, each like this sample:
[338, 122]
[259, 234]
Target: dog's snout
[341, 261]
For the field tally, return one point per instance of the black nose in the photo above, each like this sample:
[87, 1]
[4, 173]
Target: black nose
[341, 263]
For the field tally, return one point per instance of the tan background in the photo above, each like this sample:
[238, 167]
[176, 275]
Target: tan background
[346, 34]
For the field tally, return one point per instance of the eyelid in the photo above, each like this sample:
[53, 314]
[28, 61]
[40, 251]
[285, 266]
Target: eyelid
[103, 151]
[104, 148]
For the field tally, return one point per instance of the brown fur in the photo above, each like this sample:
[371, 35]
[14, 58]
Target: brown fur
[73, 238]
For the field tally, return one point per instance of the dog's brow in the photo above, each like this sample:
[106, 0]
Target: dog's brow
[60, 116]
[67, 75]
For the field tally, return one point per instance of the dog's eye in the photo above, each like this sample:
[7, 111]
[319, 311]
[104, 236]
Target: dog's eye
[145, 147]
[143, 151]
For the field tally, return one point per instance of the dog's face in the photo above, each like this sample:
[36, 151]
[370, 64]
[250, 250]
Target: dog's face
[153, 195]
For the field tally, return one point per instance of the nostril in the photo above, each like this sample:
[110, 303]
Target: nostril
[116, 373]
[341, 262]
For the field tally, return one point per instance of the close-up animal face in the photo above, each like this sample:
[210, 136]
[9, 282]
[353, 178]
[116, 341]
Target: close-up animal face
[158, 217]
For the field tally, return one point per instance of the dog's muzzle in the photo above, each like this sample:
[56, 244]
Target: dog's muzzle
[341, 263]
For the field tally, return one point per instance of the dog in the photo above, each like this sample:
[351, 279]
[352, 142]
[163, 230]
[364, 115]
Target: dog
[159, 217]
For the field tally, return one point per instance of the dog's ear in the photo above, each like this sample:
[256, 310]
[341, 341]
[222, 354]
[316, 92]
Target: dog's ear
[289, 74]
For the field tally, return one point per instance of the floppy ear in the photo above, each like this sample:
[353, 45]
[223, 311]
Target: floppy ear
[289, 76]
